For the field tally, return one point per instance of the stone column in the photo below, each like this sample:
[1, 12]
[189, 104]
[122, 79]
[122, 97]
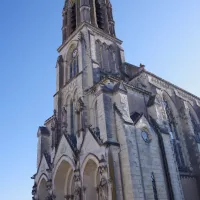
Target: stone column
[51, 195]
[77, 185]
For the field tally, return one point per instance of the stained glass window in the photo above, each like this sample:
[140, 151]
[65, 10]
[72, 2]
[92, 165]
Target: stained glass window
[74, 69]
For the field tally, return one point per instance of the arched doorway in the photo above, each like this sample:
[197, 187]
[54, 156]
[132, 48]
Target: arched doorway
[42, 190]
[62, 180]
[91, 180]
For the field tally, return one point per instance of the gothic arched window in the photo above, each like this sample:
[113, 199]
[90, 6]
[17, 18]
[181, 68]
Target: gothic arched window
[99, 52]
[96, 115]
[105, 57]
[99, 14]
[112, 60]
[196, 127]
[72, 117]
[176, 139]
[83, 46]
[73, 18]
[74, 68]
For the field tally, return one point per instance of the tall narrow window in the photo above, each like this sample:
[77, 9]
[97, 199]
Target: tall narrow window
[99, 15]
[72, 116]
[196, 127]
[96, 115]
[98, 53]
[74, 68]
[73, 18]
[176, 140]
[112, 60]
[105, 57]
[71, 70]
[83, 46]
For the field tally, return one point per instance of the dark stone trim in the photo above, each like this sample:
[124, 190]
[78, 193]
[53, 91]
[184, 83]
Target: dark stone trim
[96, 137]
[151, 101]
[121, 115]
[71, 144]
[44, 131]
[135, 121]
[110, 143]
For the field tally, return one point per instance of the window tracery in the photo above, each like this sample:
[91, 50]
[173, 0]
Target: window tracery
[73, 18]
[73, 66]
[176, 140]
[106, 57]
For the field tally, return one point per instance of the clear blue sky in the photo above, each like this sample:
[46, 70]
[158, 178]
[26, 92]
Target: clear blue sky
[162, 34]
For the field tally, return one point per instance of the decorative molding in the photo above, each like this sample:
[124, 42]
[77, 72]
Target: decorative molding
[153, 180]
[184, 96]
[96, 134]
[161, 83]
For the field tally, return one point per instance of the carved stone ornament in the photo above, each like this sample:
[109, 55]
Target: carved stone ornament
[77, 193]
[64, 119]
[54, 122]
[79, 105]
[49, 185]
[77, 183]
[103, 189]
[51, 197]
[34, 189]
[69, 197]
[75, 52]
[102, 166]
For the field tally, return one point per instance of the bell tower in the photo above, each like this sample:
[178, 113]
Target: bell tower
[95, 12]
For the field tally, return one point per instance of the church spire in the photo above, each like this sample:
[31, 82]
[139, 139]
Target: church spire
[97, 12]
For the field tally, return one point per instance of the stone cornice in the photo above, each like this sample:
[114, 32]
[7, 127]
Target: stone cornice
[102, 33]
[97, 30]
[73, 80]
[139, 90]
[70, 38]
[166, 84]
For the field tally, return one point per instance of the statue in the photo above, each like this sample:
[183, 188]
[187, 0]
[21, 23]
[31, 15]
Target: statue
[64, 119]
[54, 128]
[77, 193]
[103, 189]
[77, 182]
[54, 122]
[79, 105]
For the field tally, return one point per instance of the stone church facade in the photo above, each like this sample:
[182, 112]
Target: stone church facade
[118, 132]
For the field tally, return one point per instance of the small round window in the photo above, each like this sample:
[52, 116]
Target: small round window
[146, 136]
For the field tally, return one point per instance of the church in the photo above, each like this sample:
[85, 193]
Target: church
[117, 132]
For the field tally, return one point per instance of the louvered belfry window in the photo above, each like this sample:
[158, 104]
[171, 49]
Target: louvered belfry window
[99, 15]
[73, 18]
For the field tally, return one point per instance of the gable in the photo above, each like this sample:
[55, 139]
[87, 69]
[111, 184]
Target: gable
[63, 149]
[90, 144]
[43, 166]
